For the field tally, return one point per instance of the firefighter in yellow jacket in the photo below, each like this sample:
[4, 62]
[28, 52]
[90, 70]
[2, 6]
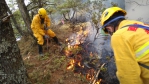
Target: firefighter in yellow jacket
[41, 29]
[130, 43]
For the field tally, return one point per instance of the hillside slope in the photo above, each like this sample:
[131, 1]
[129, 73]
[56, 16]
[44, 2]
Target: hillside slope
[50, 69]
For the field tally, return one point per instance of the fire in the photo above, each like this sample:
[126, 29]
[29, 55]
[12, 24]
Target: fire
[98, 82]
[81, 36]
[71, 64]
[80, 62]
[90, 74]
[75, 62]
[87, 56]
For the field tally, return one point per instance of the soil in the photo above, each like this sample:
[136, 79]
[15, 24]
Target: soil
[50, 69]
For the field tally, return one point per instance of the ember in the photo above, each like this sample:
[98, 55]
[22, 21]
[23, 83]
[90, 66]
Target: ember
[71, 64]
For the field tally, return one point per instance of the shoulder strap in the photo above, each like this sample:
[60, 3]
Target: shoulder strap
[137, 26]
[143, 27]
[143, 65]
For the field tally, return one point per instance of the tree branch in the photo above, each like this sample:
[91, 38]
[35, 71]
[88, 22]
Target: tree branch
[137, 3]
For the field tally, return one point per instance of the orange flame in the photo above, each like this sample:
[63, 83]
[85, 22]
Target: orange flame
[98, 82]
[73, 43]
[90, 74]
[71, 64]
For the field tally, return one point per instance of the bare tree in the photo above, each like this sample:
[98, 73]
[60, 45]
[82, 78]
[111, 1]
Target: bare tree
[12, 69]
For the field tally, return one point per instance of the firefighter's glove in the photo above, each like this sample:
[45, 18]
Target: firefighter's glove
[46, 28]
[46, 36]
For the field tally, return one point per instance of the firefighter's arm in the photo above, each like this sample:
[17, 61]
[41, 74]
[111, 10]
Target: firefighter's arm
[128, 71]
[48, 21]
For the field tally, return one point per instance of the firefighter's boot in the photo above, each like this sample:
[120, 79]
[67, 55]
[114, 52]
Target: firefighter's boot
[40, 50]
[56, 40]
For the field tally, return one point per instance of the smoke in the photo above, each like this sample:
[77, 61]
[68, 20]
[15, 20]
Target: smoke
[95, 51]
[100, 44]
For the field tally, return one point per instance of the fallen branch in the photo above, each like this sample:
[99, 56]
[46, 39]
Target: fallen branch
[96, 75]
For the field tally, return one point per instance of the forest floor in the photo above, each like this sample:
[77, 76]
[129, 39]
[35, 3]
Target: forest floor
[52, 68]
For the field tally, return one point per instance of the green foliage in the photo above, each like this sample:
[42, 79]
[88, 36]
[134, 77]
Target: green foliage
[74, 50]
[114, 4]
[51, 10]
[62, 7]
[94, 18]
[16, 33]
[69, 4]
[57, 62]
[28, 65]
[102, 10]
[34, 75]
[104, 69]
[17, 14]
[45, 57]
[65, 7]
[20, 23]
[46, 77]
[99, 7]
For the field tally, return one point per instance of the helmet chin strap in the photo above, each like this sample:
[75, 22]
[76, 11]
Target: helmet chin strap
[114, 30]
[111, 32]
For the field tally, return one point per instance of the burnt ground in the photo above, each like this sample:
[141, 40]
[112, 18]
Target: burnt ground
[50, 69]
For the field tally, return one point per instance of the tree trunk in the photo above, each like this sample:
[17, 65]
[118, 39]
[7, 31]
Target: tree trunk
[15, 23]
[40, 4]
[64, 15]
[12, 68]
[25, 14]
[73, 14]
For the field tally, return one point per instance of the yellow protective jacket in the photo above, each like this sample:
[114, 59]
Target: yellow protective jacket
[36, 25]
[130, 46]
[38, 28]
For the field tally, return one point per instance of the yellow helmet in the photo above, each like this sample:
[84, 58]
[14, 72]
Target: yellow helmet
[109, 12]
[42, 12]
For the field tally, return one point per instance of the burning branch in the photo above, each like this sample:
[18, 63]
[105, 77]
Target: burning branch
[96, 75]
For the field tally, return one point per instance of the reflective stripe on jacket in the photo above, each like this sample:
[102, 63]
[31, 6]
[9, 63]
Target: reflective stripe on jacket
[142, 51]
[130, 47]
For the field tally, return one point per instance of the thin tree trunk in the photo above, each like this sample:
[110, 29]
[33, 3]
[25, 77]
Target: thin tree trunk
[73, 14]
[15, 23]
[12, 68]
[65, 17]
[25, 14]
[39, 4]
